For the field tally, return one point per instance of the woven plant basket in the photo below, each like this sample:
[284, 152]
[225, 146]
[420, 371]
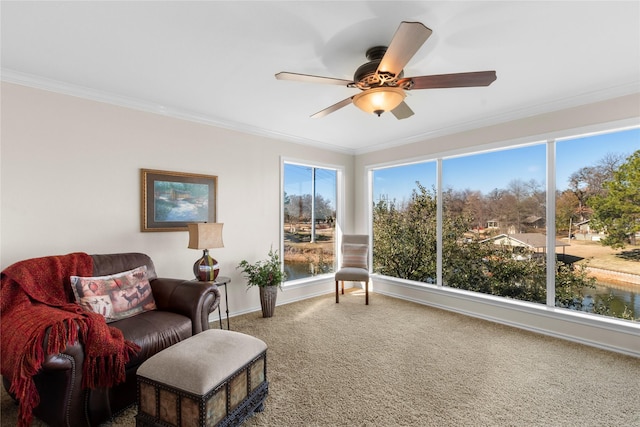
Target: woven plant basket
[268, 295]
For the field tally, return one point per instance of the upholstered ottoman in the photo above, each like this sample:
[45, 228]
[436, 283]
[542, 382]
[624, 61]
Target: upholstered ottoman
[215, 378]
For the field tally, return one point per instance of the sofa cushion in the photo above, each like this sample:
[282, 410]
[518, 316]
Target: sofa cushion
[153, 331]
[115, 296]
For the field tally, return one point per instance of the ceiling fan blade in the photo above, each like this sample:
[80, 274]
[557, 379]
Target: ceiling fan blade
[333, 108]
[409, 37]
[308, 78]
[476, 78]
[402, 111]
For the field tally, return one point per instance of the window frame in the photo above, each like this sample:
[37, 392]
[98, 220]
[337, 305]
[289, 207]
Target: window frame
[290, 284]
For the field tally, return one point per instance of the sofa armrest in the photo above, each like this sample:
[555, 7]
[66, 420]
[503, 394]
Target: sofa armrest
[70, 358]
[191, 298]
[60, 386]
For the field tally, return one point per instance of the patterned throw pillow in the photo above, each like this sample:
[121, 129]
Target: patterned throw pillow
[116, 296]
[355, 255]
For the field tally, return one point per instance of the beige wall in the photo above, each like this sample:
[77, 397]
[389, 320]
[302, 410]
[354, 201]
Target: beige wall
[70, 182]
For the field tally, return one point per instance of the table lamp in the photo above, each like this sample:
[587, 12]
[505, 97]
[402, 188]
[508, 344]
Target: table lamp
[205, 236]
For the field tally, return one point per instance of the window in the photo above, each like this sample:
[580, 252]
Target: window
[595, 198]
[404, 222]
[492, 229]
[494, 223]
[309, 220]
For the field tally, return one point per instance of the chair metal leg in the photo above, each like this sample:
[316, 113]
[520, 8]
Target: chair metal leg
[337, 293]
[342, 287]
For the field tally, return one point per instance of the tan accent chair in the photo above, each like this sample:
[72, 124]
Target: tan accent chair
[355, 263]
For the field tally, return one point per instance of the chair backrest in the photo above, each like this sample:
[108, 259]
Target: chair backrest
[356, 239]
[360, 239]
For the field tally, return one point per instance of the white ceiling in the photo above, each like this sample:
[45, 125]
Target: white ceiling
[214, 61]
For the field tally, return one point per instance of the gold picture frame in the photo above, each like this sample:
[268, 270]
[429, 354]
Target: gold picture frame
[171, 200]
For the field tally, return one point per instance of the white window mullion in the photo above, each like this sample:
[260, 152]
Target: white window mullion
[440, 202]
[551, 223]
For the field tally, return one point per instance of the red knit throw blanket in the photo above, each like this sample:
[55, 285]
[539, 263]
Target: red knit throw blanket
[36, 295]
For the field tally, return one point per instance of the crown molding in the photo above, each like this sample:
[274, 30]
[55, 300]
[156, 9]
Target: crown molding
[38, 82]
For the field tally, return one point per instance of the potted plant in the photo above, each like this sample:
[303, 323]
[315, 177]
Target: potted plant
[268, 277]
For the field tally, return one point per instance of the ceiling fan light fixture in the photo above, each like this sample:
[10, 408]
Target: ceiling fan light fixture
[381, 80]
[380, 99]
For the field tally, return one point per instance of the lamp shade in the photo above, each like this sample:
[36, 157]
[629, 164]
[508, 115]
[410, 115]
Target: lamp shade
[379, 99]
[205, 235]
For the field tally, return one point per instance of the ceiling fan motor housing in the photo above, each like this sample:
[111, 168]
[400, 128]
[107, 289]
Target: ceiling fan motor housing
[366, 77]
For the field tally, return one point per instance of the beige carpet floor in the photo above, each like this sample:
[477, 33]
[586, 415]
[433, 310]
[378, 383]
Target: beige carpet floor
[396, 363]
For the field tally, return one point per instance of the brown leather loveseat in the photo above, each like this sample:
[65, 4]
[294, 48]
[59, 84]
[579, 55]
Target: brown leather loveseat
[182, 310]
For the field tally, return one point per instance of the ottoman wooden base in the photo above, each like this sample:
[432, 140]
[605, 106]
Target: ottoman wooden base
[216, 378]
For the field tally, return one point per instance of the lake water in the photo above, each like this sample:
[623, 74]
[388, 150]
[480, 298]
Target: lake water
[623, 295]
[298, 270]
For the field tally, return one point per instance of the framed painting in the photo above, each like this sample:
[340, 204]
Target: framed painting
[171, 200]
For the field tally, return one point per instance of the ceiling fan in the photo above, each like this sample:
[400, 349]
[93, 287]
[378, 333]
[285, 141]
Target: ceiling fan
[381, 80]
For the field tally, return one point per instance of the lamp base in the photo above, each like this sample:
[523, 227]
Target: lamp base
[206, 269]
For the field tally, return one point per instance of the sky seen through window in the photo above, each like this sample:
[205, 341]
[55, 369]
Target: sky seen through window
[485, 172]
